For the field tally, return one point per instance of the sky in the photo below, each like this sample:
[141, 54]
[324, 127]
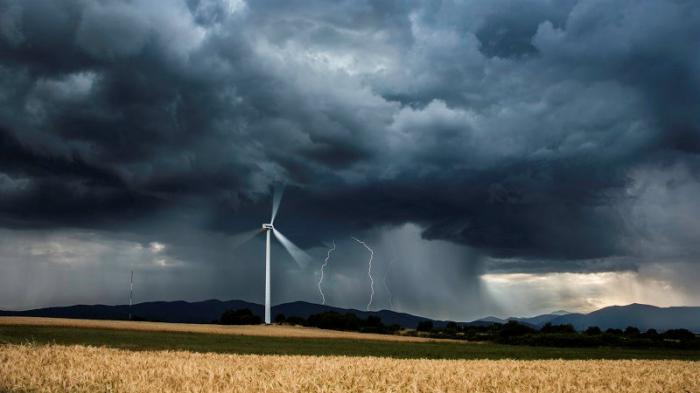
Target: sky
[499, 157]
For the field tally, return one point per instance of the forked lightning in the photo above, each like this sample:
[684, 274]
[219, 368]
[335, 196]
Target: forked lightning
[369, 272]
[325, 263]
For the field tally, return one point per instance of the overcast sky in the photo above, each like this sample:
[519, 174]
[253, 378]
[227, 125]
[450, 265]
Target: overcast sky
[500, 157]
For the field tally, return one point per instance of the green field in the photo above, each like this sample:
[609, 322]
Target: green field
[200, 342]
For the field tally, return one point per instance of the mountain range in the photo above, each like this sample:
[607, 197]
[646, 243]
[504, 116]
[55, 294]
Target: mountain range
[207, 311]
[617, 317]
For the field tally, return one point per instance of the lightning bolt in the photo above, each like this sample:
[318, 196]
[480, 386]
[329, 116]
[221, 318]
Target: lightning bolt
[325, 263]
[369, 271]
[386, 274]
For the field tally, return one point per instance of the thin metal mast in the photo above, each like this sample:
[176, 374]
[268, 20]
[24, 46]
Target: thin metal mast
[131, 293]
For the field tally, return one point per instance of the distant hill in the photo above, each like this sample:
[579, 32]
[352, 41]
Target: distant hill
[560, 312]
[540, 320]
[206, 312]
[305, 309]
[619, 317]
[536, 321]
[175, 311]
[490, 320]
[641, 316]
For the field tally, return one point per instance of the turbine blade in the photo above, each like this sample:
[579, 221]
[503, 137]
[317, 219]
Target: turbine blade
[276, 199]
[300, 256]
[242, 238]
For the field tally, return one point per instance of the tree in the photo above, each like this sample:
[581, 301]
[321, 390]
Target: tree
[514, 329]
[280, 318]
[374, 321]
[632, 331]
[239, 317]
[549, 328]
[372, 324]
[652, 334]
[679, 334]
[425, 326]
[593, 331]
[451, 329]
[334, 320]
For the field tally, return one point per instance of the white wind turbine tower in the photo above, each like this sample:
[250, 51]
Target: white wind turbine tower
[299, 256]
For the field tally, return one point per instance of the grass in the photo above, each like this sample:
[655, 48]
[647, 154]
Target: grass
[261, 345]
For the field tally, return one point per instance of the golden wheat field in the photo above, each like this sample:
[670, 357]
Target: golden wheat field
[245, 330]
[55, 368]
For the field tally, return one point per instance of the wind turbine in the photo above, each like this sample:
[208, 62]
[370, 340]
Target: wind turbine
[299, 256]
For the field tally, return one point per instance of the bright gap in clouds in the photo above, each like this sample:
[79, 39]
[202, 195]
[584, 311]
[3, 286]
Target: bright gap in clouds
[514, 293]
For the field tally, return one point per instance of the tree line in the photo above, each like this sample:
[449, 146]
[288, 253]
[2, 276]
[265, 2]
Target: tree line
[325, 320]
[512, 332]
[515, 333]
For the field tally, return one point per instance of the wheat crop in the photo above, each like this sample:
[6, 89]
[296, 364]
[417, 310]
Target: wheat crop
[54, 368]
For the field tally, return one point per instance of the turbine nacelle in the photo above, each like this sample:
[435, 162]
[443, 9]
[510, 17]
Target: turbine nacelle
[268, 227]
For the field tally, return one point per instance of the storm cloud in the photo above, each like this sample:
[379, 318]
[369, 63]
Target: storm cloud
[537, 136]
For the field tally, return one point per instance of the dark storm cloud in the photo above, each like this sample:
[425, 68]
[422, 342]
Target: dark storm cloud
[516, 129]
[507, 28]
